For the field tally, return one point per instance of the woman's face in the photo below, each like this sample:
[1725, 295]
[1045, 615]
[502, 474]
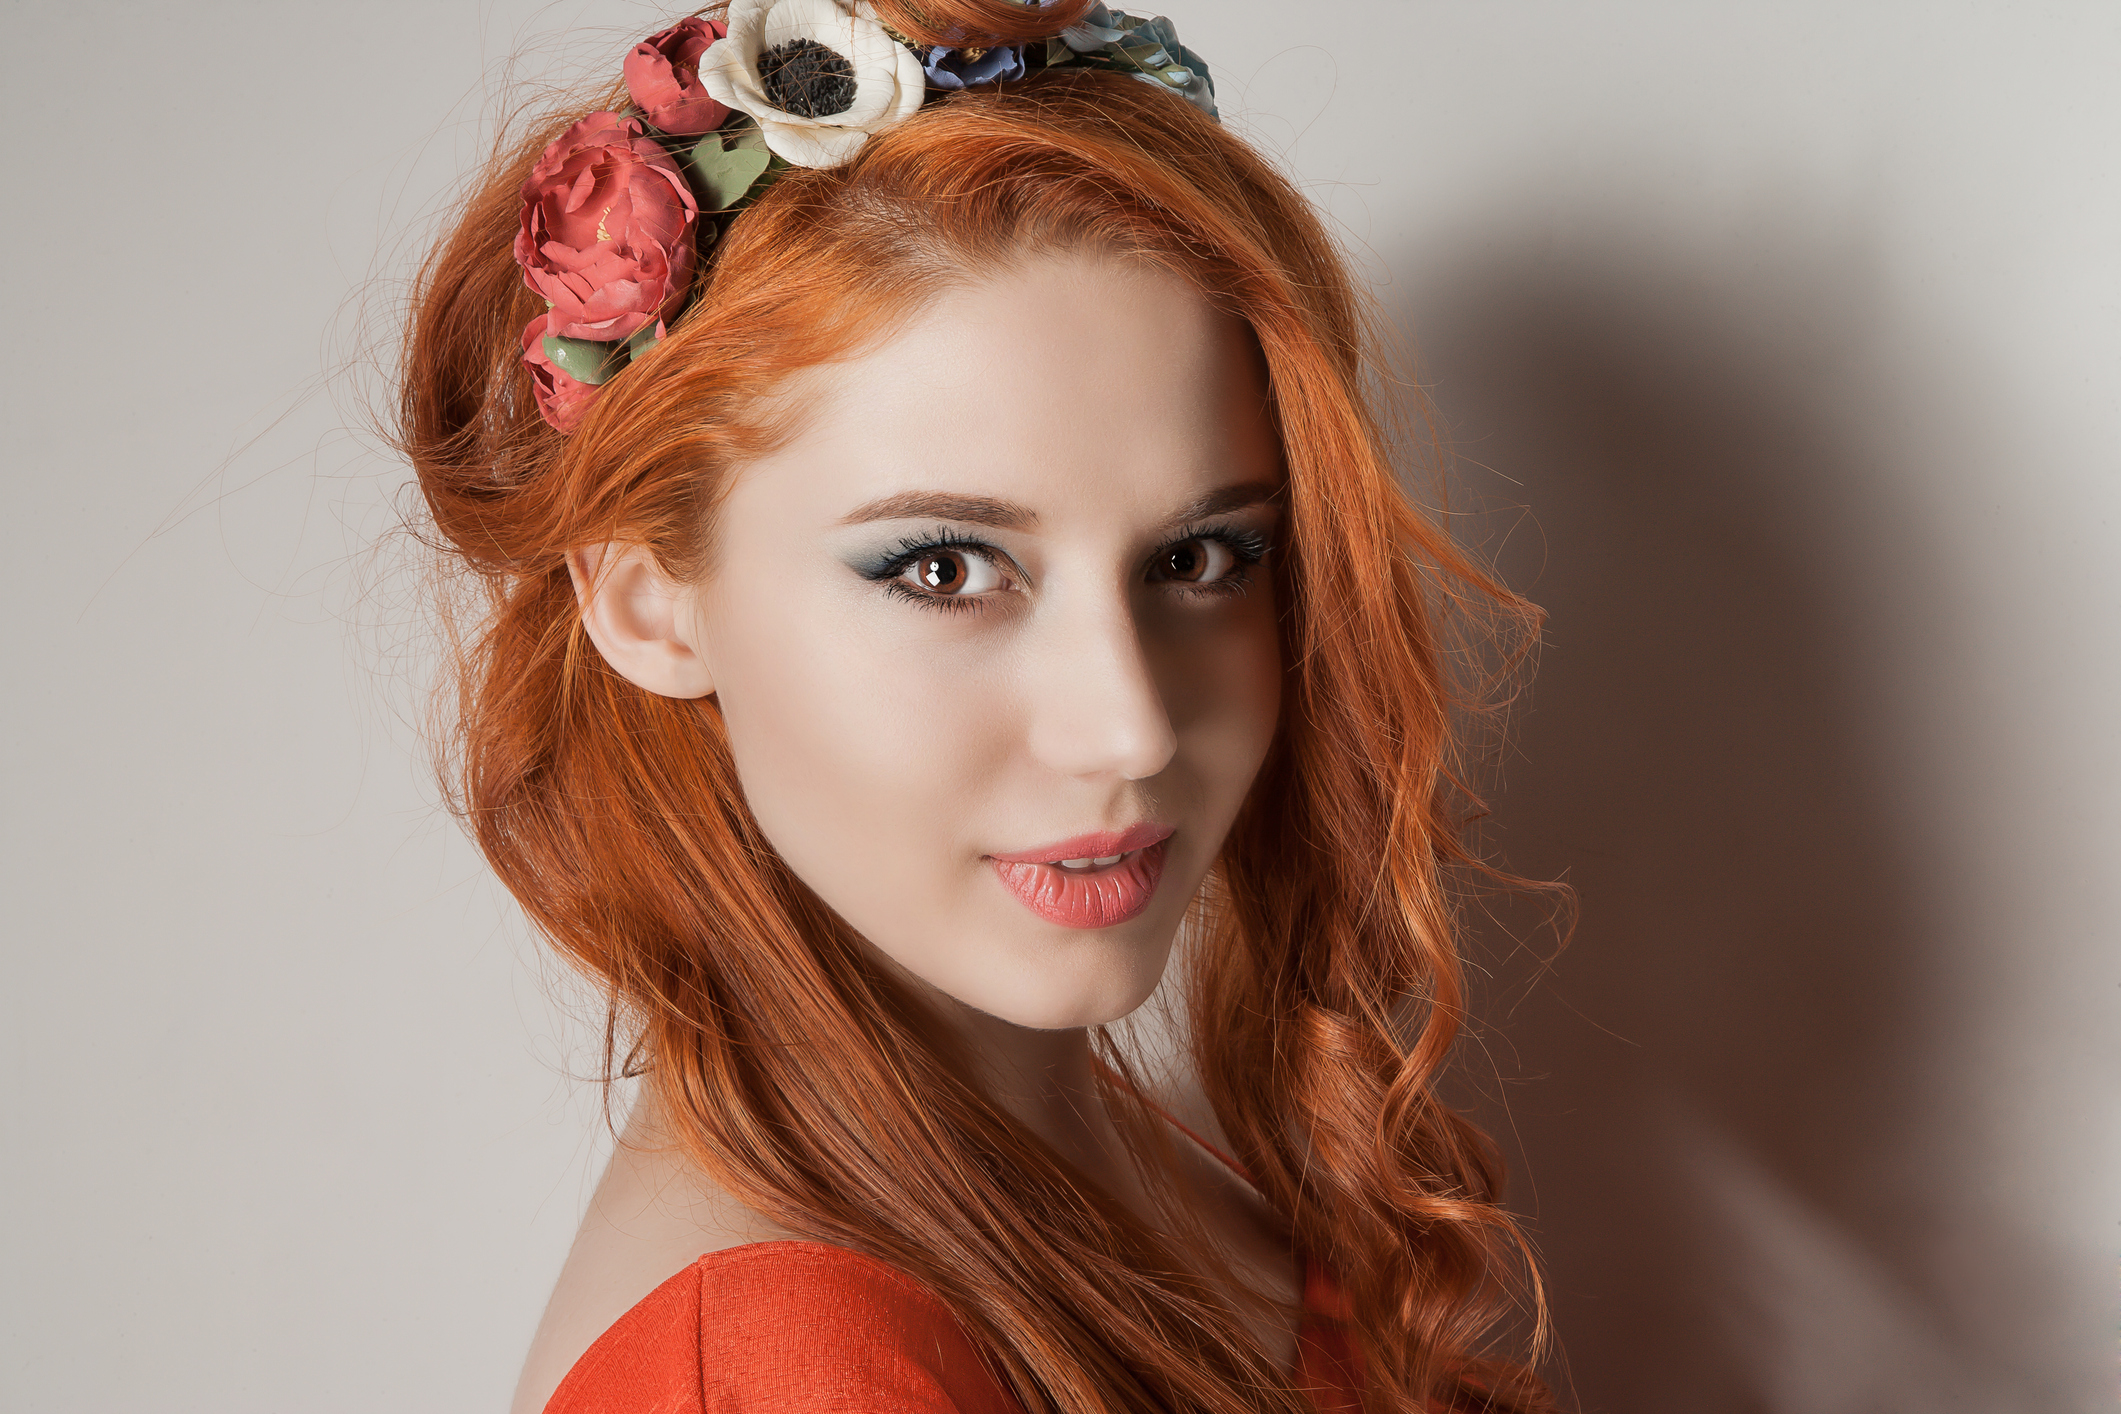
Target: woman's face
[994, 616]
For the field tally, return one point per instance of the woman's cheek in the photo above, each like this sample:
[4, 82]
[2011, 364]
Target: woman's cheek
[858, 755]
[1224, 691]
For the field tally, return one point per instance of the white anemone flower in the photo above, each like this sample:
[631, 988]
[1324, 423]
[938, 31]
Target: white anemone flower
[817, 76]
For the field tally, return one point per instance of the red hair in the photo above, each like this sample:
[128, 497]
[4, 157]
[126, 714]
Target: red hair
[1327, 989]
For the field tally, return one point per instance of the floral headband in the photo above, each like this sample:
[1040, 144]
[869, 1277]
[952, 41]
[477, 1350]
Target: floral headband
[620, 209]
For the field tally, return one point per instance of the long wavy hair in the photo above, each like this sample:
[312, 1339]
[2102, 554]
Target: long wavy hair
[1325, 989]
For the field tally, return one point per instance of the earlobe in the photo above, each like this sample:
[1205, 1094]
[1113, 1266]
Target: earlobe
[640, 619]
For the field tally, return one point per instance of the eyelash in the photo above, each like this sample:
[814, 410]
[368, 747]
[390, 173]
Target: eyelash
[1248, 546]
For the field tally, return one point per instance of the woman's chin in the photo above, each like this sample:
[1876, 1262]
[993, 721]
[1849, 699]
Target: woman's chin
[1089, 1011]
[1102, 982]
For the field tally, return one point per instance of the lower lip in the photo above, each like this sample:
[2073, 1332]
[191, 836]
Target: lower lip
[1091, 898]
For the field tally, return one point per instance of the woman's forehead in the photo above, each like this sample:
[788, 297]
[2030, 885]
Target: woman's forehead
[1059, 377]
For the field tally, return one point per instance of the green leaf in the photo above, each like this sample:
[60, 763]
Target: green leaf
[722, 175]
[642, 341]
[585, 360]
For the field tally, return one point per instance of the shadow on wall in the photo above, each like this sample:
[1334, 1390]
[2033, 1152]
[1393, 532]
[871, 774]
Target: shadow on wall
[1714, 1104]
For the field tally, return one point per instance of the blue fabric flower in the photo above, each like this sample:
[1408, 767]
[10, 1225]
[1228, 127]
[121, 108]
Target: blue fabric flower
[963, 68]
[1145, 46]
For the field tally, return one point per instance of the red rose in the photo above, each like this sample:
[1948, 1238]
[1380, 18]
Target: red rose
[663, 75]
[561, 400]
[607, 229]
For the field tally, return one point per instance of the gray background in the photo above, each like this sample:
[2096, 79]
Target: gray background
[1780, 345]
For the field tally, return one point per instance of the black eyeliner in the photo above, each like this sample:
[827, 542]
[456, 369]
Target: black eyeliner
[895, 560]
[1250, 546]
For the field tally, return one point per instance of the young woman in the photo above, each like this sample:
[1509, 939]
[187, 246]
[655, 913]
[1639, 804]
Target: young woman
[934, 543]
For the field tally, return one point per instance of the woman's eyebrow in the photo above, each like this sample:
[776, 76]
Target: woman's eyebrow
[942, 505]
[1229, 498]
[1008, 515]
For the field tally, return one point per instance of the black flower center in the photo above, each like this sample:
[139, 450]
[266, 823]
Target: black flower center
[807, 79]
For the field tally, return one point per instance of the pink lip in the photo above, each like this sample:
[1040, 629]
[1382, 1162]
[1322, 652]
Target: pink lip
[1091, 846]
[1099, 898]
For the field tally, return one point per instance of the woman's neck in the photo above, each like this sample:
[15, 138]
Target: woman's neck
[1047, 1081]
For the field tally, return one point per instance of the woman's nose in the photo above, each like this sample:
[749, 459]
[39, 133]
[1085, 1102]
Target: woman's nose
[1096, 709]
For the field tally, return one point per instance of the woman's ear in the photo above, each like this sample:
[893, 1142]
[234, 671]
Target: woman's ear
[640, 620]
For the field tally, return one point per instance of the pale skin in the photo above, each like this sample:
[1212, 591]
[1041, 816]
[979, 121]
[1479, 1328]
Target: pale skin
[1075, 454]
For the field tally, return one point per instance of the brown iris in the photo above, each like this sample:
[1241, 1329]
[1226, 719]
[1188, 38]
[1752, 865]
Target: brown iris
[1187, 561]
[941, 572]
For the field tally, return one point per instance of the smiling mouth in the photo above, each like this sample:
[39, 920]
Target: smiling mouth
[1084, 866]
[1088, 890]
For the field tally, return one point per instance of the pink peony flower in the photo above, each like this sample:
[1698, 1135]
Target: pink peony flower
[607, 229]
[561, 399]
[663, 75]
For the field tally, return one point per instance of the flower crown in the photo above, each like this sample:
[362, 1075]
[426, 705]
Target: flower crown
[621, 209]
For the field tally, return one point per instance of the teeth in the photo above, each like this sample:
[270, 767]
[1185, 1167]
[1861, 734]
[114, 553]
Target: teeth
[1100, 863]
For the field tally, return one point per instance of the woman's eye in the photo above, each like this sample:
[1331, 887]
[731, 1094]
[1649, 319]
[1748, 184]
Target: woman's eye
[1196, 561]
[951, 573]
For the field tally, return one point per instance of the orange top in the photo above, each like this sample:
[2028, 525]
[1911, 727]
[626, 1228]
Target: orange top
[805, 1327]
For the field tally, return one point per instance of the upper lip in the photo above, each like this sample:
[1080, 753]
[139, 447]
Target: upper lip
[1100, 844]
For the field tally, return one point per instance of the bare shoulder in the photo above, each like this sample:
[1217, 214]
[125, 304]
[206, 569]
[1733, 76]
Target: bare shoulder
[653, 1215]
